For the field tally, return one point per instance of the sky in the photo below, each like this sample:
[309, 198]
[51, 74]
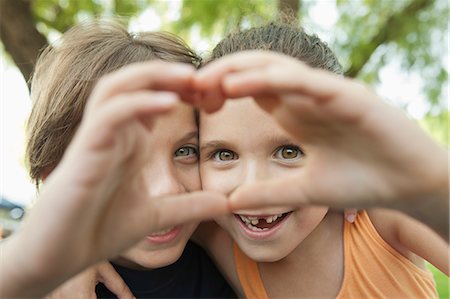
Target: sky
[396, 86]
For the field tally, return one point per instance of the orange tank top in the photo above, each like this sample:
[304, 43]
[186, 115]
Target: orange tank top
[372, 268]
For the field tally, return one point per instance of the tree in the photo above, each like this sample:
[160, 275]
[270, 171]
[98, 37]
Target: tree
[368, 33]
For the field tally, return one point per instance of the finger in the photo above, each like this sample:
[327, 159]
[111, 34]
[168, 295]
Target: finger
[212, 74]
[317, 84]
[350, 215]
[114, 282]
[211, 100]
[196, 206]
[132, 106]
[155, 75]
[278, 192]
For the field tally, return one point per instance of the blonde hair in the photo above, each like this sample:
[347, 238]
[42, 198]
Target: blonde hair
[66, 73]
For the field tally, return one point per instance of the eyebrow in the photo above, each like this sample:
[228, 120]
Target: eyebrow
[188, 136]
[282, 140]
[214, 144]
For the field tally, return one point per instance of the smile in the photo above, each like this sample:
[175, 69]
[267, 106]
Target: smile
[261, 226]
[164, 236]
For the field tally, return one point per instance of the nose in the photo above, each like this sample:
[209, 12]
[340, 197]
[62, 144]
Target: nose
[255, 171]
[163, 180]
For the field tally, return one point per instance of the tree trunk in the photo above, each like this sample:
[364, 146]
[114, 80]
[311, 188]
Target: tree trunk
[288, 9]
[389, 31]
[19, 34]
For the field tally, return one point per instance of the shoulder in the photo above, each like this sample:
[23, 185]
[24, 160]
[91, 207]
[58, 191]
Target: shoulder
[400, 231]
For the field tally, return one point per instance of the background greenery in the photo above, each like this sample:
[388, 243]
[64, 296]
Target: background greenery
[367, 36]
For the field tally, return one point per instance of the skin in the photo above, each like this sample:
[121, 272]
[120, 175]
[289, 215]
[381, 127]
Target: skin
[241, 144]
[109, 149]
[351, 130]
[346, 162]
[172, 169]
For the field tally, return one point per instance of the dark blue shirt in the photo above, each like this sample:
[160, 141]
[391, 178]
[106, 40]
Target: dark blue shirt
[194, 275]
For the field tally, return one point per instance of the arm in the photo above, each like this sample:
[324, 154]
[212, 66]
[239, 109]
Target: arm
[410, 237]
[366, 153]
[96, 188]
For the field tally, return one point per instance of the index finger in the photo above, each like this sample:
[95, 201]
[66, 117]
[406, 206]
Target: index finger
[211, 75]
[155, 75]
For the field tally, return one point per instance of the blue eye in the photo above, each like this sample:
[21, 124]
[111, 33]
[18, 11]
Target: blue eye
[224, 155]
[289, 152]
[186, 151]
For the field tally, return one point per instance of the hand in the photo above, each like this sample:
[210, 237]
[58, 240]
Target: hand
[94, 205]
[363, 153]
[83, 285]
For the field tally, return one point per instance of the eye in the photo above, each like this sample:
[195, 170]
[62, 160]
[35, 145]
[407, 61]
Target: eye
[224, 155]
[289, 152]
[186, 151]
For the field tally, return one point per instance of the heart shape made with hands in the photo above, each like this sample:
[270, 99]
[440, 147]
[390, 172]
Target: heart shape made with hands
[346, 124]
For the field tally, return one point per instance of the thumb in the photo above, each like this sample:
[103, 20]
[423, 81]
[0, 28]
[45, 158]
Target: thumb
[276, 192]
[187, 207]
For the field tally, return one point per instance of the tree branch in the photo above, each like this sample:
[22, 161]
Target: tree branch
[392, 29]
[19, 34]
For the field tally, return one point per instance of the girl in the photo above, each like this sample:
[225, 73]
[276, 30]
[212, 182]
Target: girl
[64, 77]
[287, 251]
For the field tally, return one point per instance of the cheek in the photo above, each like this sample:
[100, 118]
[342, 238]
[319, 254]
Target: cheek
[190, 178]
[309, 218]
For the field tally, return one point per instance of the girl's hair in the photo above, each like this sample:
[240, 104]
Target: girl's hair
[66, 73]
[285, 38]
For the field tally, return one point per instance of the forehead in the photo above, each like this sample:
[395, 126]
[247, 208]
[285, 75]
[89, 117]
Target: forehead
[178, 121]
[237, 118]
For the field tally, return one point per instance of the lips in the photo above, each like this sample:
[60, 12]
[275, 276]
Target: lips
[261, 226]
[164, 236]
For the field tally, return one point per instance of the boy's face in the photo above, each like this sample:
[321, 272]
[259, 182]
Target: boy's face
[241, 144]
[172, 168]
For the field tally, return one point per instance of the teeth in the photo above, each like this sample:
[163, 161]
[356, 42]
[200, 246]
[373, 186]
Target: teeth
[245, 219]
[256, 229]
[162, 232]
[255, 220]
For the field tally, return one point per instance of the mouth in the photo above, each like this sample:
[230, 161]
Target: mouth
[164, 236]
[261, 226]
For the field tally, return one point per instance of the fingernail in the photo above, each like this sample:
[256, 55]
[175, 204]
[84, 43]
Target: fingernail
[351, 218]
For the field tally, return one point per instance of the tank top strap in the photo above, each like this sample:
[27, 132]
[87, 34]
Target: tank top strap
[249, 275]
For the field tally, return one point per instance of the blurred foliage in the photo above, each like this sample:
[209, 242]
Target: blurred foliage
[442, 282]
[438, 126]
[60, 15]
[371, 33]
[221, 17]
[419, 44]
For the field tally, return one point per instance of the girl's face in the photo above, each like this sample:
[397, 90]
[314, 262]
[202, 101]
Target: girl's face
[241, 144]
[172, 169]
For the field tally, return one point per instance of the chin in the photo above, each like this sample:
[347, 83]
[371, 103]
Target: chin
[152, 259]
[264, 253]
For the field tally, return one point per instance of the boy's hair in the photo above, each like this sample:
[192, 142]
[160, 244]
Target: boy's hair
[285, 38]
[66, 73]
